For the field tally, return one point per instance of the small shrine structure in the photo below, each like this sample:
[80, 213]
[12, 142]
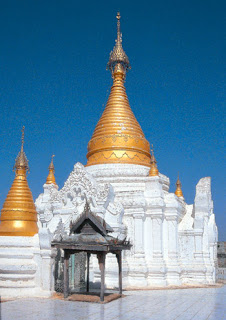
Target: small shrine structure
[90, 234]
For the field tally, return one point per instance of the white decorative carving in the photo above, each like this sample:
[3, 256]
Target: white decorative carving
[69, 202]
[60, 231]
[168, 236]
[81, 182]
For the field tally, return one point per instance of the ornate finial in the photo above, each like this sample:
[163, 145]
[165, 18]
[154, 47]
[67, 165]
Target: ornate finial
[118, 55]
[22, 138]
[154, 169]
[152, 154]
[119, 36]
[21, 161]
[51, 166]
[178, 191]
[51, 178]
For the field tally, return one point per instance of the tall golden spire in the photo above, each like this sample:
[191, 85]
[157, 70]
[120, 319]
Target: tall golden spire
[178, 191]
[118, 137]
[51, 178]
[18, 215]
[154, 169]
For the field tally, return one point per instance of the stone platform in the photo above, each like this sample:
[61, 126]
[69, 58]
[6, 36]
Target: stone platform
[180, 304]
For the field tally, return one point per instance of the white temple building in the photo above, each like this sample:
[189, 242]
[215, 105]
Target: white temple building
[174, 243]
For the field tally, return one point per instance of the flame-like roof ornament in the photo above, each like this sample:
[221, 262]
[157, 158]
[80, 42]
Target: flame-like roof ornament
[118, 55]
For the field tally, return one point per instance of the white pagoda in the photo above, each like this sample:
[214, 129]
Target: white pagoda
[174, 243]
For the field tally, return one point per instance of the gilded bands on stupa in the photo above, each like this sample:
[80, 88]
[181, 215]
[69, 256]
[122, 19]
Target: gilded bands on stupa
[18, 215]
[118, 137]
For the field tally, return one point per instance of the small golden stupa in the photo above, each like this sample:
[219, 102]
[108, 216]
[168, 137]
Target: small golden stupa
[178, 191]
[154, 169]
[18, 215]
[118, 137]
[51, 178]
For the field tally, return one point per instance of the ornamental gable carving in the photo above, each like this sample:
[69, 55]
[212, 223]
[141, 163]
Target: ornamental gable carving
[67, 204]
[81, 181]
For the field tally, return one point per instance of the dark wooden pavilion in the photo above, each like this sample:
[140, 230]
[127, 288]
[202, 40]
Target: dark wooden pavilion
[90, 234]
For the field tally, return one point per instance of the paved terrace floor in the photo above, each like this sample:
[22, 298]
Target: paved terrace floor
[180, 304]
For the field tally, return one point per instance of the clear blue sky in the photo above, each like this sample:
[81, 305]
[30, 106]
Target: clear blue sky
[53, 80]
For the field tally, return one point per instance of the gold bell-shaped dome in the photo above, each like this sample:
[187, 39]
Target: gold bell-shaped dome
[178, 191]
[18, 215]
[118, 137]
[51, 178]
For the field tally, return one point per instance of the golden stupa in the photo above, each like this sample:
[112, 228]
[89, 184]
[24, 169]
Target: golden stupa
[18, 215]
[118, 137]
[178, 191]
[154, 169]
[51, 178]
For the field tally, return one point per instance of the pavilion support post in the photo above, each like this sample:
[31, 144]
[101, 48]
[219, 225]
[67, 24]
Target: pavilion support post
[119, 259]
[87, 279]
[66, 274]
[101, 260]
